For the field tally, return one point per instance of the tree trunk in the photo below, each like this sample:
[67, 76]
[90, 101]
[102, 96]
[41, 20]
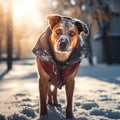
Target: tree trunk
[9, 35]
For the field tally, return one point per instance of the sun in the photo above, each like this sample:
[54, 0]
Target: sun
[22, 8]
[27, 10]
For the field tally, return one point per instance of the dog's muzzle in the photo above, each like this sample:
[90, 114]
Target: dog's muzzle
[63, 44]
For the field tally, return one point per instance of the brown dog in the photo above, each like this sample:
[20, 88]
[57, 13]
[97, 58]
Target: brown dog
[59, 51]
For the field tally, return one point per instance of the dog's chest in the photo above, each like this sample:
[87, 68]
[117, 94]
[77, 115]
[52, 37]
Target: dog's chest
[58, 74]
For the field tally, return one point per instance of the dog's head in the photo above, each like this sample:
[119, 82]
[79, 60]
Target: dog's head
[65, 33]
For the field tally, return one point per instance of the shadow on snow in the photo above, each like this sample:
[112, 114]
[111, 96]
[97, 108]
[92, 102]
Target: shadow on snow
[105, 73]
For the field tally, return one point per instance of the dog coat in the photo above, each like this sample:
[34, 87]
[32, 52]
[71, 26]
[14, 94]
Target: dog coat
[57, 72]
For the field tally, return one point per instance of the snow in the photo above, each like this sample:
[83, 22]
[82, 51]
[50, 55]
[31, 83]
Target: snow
[96, 95]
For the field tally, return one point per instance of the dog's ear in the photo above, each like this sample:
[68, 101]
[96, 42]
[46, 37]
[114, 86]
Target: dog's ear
[53, 19]
[82, 27]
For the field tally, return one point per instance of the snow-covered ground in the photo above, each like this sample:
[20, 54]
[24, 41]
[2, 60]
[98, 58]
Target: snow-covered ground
[96, 95]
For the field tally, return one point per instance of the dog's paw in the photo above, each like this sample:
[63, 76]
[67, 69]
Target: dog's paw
[45, 117]
[57, 105]
[50, 103]
[69, 114]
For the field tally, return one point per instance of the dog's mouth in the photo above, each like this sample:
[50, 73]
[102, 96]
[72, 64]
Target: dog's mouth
[62, 53]
[62, 49]
[63, 46]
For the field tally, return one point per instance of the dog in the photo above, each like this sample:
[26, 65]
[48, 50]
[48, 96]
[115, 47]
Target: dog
[59, 50]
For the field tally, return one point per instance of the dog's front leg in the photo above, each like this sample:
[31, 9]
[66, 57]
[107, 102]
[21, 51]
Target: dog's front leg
[43, 89]
[69, 95]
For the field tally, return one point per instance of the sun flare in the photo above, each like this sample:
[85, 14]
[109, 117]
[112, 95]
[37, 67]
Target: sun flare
[23, 7]
[27, 10]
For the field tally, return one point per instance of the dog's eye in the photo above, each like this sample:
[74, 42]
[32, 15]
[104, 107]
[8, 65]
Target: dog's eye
[72, 34]
[58, 31]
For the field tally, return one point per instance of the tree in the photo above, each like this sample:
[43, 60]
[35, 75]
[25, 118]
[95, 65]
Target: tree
[9, 35]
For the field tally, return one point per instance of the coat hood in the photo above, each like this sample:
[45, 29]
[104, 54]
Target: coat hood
[43, 50]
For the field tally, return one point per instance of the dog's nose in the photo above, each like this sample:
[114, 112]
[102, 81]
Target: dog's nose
[63, 43]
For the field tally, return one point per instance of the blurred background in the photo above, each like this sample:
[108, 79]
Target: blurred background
[21, 22]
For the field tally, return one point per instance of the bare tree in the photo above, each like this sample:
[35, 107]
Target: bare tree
[9, 35]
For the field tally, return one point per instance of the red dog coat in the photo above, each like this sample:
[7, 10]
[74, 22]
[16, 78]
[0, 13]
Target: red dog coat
[58, 73]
